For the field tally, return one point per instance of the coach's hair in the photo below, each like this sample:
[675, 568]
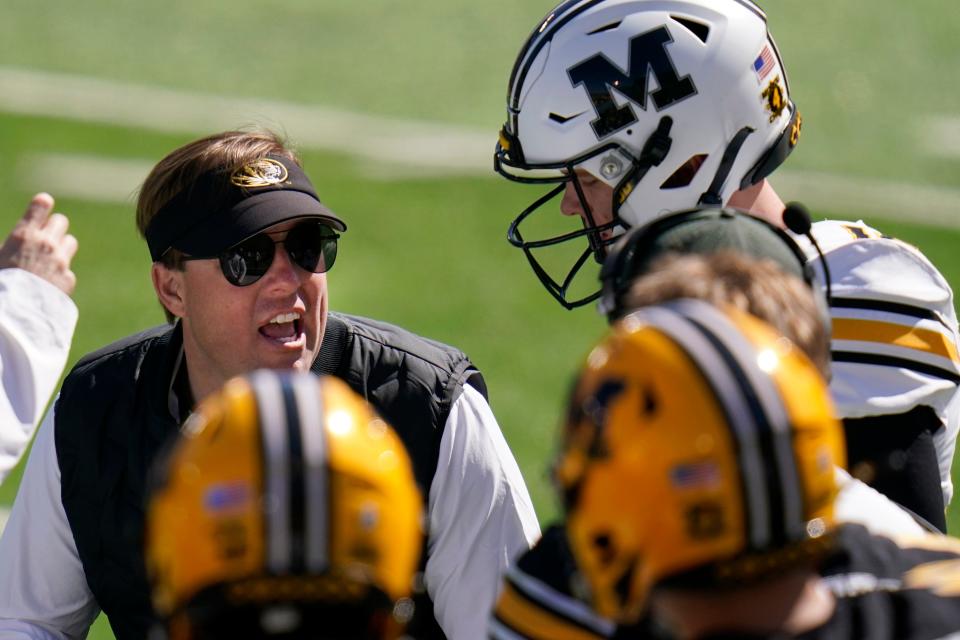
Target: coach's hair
[222, 151]
[759, 287]
[225, 151]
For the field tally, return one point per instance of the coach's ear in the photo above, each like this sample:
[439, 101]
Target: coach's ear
[168, 283]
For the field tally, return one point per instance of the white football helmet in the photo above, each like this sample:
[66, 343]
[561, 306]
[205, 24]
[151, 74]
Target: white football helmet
[672, 103]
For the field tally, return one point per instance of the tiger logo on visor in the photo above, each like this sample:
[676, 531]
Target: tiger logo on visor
[259, 173]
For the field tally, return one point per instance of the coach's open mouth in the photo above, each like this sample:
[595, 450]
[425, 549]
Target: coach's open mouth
[283, 328]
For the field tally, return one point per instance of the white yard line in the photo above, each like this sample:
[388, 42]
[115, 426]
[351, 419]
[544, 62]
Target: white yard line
[4, 514]
[442, 148]
[940, 136]
[83, 177]
[391, 147]
[102, 179]
[848, 197]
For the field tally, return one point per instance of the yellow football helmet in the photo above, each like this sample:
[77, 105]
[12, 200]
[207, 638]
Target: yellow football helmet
[286, 508]
[700, 446]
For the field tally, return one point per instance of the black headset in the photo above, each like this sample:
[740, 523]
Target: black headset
[633, 253]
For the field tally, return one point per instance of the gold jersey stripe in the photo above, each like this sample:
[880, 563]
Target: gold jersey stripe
[925, 340]
[941, 577]
[535, 622]
[929, 542]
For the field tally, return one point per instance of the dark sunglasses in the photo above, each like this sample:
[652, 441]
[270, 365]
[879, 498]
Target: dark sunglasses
[311, 245]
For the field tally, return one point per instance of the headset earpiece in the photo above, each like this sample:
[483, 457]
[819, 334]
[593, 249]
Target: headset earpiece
[640, 246]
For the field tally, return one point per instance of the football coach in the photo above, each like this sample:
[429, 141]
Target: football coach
[240, 245]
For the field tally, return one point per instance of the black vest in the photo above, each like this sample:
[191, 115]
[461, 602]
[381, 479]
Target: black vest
[113, 416]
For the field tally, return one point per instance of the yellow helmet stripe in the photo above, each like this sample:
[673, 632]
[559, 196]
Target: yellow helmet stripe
[276, 462]
[309, 405]
[942, 577]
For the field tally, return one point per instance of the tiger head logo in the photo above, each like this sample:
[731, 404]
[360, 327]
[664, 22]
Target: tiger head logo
[775, 98]
[259, 173]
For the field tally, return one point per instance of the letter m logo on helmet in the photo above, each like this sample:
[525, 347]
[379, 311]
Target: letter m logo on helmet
[599, 76]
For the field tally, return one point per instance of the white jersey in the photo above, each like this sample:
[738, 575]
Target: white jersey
[894, 342]
[36, 326]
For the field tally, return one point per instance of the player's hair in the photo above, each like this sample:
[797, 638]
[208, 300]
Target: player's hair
[759, 287]
[181, 167]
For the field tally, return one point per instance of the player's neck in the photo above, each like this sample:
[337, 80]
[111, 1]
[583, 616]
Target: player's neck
[760, 200]
[793, 603]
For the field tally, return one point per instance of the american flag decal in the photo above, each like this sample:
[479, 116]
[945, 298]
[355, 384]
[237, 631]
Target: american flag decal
[763, 65]
[696, 475]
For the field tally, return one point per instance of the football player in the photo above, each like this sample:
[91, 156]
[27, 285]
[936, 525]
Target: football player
[635, 108]
[286, 509]
[723, 257]
[697, 477]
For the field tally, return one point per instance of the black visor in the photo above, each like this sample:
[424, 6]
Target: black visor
[221, 208]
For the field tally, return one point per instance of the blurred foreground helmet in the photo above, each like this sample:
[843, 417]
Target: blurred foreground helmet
[699, 448]
[287, 509]
[672, 103]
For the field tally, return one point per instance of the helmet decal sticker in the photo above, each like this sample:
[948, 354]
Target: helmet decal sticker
[775, 98]
[764, 63]
[695, 475]
[795, 129]
[227, 496]
[599, 76]
[862, 231]
[233, 540]
[705, 520]
[556, 117]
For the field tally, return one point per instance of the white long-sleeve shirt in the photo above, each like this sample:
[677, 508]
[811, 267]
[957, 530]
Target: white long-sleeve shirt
[36, 326]
[480, 513]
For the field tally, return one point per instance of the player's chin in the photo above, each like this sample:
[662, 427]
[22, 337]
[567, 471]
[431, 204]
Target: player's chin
[293, 361]
[306, 359]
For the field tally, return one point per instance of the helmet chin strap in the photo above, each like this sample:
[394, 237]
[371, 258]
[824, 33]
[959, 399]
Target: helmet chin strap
[711, 196]
[655, 149]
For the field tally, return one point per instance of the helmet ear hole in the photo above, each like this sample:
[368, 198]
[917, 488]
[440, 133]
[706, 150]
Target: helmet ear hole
[685, 174]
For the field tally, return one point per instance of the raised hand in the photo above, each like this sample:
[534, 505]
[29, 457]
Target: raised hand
[40, 244]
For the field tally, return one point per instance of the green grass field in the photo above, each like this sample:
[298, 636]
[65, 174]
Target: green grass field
[430, 253]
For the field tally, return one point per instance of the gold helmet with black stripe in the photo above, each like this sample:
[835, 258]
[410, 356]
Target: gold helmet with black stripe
[699, 449]
[286, 509]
